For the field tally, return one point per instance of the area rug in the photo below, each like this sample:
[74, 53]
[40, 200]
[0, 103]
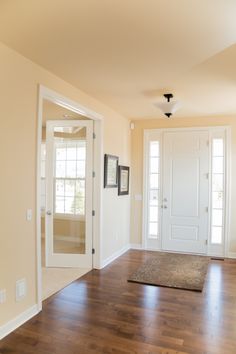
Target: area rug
[173, 270]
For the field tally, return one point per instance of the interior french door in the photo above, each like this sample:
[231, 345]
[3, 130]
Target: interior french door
[68, 212]
[185, 202]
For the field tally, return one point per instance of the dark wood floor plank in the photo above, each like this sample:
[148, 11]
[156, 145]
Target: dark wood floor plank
[102, 313]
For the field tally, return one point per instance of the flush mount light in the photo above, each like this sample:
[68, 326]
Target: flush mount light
[67, 116]
[169, 107]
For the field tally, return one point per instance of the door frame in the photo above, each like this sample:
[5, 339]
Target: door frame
[227, 183]
[45, 93]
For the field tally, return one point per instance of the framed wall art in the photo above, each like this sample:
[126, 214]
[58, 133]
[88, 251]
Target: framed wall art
[123, 180]
[110, 171]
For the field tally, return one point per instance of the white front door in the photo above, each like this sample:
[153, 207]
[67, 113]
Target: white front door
[68, 212]
[185, 191]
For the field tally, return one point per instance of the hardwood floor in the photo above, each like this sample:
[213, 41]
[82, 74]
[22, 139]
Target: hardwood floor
[103, 313]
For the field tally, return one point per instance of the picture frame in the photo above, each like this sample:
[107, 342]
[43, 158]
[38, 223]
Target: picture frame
[110, 171]
[123, 180]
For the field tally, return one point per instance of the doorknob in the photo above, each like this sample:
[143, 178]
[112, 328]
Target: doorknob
[49, 212]
[164, 206]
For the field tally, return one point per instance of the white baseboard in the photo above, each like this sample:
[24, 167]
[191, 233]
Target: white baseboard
[18, 321]
[136, 246]
[231, 255]
[114, 256]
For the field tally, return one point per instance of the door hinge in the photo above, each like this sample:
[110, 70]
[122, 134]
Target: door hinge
[206, 209]
[206, 242]
[94, 174]
[93, 250]
[94, 136]
[207, 143]
[93, 213]
[207, 175]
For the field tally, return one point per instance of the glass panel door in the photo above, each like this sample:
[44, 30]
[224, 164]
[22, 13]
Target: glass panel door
[69, 193]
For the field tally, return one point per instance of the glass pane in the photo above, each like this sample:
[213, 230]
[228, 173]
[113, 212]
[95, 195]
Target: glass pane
[43, 169]
[43, 152]
[60, 153]
[70, 188]
[154, 197]
[153, 214]
[60, 169]
[218, 147]
[43, 186]
[154, 148]
[43, 202]
[154, 181]
[81, 152]
[69, 205]
[81, 169]
[154, 165]
[217, 217]
[218, 165]
[216, 235]
[80, 189]
[79, 206]
[153, 228]
[217, 182]
[59, 205]
[69, 229]
[71, 169]
[60, 190]
[217, 200]
[71, 153]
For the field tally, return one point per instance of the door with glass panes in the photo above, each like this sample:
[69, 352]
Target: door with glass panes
[68, 212]
[185, 190]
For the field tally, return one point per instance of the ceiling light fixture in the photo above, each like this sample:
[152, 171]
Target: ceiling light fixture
[67, 116]
[169, 107]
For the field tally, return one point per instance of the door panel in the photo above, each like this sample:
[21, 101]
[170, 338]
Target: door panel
[68, 217]
[185, 191]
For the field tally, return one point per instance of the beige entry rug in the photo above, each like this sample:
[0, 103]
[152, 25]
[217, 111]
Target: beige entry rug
[173, 270]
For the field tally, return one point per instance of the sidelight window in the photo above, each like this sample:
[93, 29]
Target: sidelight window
[218, 190]
[153, 198]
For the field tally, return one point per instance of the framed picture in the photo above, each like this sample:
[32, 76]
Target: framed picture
[123, 180]
[110, 171]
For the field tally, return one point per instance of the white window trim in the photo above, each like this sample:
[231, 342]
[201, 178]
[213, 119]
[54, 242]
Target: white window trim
[152, 134]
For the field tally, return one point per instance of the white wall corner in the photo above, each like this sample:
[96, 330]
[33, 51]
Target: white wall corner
[115, 255]
[231, 255]
[18, 321]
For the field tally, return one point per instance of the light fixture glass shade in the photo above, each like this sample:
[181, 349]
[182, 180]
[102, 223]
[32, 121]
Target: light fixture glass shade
[168, 107]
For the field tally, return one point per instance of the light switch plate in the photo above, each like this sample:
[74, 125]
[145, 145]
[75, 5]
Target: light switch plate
[3, 296]
[29, 214]
[20, 289]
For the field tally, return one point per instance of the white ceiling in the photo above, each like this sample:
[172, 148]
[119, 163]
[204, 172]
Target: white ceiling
[127, 53]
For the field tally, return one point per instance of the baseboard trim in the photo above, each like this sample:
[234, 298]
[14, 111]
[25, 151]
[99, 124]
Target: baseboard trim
[231, 255]
[136, 246]
[114, 256]
[18, 321]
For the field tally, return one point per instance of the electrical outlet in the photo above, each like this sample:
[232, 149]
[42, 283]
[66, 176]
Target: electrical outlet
[29, 214]
[3, 296]
[20, 289]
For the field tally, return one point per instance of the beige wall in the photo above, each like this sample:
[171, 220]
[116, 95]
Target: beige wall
[19, 79]
[137, 165]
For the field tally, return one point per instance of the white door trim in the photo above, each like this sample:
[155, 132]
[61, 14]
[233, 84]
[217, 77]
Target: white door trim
[54, 97]
[210, 130]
